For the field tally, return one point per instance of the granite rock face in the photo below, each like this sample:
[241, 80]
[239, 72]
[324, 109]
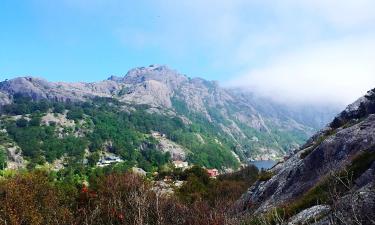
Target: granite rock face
[310, 215]
[243, 117]
[350, 135]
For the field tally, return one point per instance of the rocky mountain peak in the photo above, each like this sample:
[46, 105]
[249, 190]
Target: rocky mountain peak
[115, 78]
[359, 109]
[162, 74]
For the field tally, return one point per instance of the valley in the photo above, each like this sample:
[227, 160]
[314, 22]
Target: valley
[172, 149]
[211, 126]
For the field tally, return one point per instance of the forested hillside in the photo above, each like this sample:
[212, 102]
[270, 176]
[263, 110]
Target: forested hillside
[209, 125]
[79, 132]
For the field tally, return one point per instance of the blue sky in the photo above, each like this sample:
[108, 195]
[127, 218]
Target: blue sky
[282, 48]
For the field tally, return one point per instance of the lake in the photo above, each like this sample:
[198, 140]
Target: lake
[263, 164]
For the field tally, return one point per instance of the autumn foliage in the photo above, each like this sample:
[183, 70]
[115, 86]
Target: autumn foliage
[37, 198]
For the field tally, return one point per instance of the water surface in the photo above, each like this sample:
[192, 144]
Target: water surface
[263, 164]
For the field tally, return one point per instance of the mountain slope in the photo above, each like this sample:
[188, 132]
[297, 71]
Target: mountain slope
[253, 127]
[336, 167]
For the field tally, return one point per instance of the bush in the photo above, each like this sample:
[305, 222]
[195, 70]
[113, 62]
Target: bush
[31, 199]
[35, 121]
[58, 108]
[75, 113]
[3, 159]
[265, 175]
[22, 122]
[249, 175]
[306, 152]
[362, 162]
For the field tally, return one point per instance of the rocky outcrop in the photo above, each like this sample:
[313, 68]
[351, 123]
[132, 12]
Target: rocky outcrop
[310, 215]
[15, 159]
[38, 89]
[348, 142]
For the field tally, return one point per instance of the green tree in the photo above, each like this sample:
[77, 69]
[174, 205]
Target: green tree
[22, 122]
[75, 113]
[3, 159]
[58, 108]
[35, 121]
[93, 158]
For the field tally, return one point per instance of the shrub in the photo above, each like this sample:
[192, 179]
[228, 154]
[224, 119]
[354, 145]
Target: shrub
[265, 175]
[3, 158]
[306, 152]
[31, 199]
[22, 122]
[35, 121]
[75, 113]
[362, 162]
[58, 108]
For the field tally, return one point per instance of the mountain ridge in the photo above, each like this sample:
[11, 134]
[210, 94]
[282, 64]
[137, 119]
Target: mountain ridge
[242, 116]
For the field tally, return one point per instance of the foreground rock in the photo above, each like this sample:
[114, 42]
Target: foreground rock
[310, 215]
[343, 153]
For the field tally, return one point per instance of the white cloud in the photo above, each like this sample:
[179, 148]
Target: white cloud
[309, 50]
[342, 14]
[336, 71]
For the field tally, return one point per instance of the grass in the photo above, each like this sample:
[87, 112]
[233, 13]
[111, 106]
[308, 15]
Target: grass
[265, 175]
[306, 152]
[362, 162]
[318, 194]
[352, 122]
[317, 142]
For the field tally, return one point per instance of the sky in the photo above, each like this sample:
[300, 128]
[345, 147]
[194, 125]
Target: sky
[314, 51]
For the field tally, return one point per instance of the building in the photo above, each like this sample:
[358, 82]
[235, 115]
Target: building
[156, 134]
[180, 164]
[212, 173]
[108, 160]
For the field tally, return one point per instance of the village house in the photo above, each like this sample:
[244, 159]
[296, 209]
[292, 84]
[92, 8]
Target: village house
[180, 164]
[156, 134]
[108, 160]
[213, 173]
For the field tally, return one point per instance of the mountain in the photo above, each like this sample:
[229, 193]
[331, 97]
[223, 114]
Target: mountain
[239, 122]
[329, 179]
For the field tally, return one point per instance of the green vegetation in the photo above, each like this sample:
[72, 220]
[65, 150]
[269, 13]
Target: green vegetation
[39, 143]
[75, 113]
[317, 142]
[24, 105]
[306, 152]
[41, 197]
[224, 190]
[265, 175]
[275, 139]
[327, 191]
[102, 125]
[321, 192]
[362, 162]
[3, 158]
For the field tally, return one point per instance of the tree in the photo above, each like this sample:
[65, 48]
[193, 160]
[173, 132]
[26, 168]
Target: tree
[3, 159]
[35, 121]
[58, 108]
[93, 158]
[31, 199]
[75, 114]
[22, 122]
